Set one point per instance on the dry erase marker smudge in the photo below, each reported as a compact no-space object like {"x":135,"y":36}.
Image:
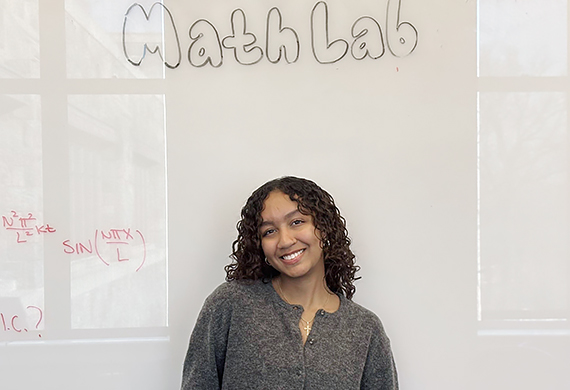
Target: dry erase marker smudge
{"x":282,"y":42}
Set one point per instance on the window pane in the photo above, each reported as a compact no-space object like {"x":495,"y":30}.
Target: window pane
{"x":19,"y":39}
{"x":21,"y":213}
{"x":522,"y":38}
{"x":524,"y":197}
{"x":118,"y":211}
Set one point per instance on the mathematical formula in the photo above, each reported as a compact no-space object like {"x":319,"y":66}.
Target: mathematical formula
{"x":112,"y":246}
{"x":24,"y":227}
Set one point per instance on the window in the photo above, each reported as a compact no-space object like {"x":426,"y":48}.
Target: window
{"x":83,"y":244}
{"x":523,"y":161}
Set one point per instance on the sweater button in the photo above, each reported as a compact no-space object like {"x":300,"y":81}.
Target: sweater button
{"x":322,"y":312}
{"x":311,"y":341}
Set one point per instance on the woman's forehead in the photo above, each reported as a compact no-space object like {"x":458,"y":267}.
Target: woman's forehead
{"x":278,"y":203}
{"x":281,"y":207}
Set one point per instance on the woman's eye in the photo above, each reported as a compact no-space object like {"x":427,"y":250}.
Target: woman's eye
{"x":267,"y":232}
{"x":297,"y":222}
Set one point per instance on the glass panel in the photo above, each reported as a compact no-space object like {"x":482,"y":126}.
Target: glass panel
{"x":21,"y":214}
{"x":94,"y":30}
{"x":524,"y":205}
{"x":19,"y":39}
{"x":118,"y":211}
{"x":522,"y":38}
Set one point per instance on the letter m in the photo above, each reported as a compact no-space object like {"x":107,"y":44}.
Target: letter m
{"x":142,"y":34}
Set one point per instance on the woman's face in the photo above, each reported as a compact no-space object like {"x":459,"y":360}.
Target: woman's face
{"x":289,"y":238}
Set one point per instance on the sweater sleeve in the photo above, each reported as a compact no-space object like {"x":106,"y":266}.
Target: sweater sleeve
{"x":380,"y":368}
{"x":204,"y":363}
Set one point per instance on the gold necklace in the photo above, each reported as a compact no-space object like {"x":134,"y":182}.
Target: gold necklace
{"x":307,"y":326}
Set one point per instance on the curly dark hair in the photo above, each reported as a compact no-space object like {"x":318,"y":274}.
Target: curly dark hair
{"x":249,"y":259}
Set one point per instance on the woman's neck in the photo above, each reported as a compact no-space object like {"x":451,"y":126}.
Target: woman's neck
{"x":311,"y":293}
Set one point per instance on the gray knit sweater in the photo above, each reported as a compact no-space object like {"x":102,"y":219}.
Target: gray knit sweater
{"x":246,"y":337}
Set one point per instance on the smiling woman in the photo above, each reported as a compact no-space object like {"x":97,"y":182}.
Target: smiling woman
{"x":285,"y":319}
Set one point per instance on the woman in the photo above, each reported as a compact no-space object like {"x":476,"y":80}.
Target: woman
{"x":285,"y":319}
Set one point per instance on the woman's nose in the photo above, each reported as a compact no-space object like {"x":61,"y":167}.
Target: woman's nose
{"x":286,"y":239}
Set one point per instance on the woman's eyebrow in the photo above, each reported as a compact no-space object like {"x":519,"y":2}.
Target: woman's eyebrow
{"x":287,"y":216}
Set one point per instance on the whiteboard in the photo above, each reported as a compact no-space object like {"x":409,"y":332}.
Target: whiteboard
{"x":439,"y":127}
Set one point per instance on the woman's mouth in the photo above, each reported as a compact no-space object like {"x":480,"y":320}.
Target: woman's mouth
{"x":292,"y":258}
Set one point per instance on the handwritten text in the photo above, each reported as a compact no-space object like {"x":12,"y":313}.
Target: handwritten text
{"x":13,"y":322}
{"x":24,"y":226}
{"x":282,"y":43}
{"x":111,"y":246}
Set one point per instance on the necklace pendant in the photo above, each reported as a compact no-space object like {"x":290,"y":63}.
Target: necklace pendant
{"x":308,"y":328}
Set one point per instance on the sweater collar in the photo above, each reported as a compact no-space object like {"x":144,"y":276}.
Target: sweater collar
{"x":276,"y":298}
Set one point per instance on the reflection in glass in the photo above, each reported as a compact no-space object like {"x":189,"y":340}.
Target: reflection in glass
{"x":118,"y":211}
{"x":522,"y":38}
{"x":21,"y":213}
{"x":94,"y":39}
{"x":19,"y":39}
{"x":524,"y":194}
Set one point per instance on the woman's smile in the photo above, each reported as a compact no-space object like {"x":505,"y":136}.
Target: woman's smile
{"x":293,"y":257}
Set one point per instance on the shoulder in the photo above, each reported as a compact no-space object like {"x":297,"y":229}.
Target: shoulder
{"x":366,"y":318}
{"x":234,"y":292}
